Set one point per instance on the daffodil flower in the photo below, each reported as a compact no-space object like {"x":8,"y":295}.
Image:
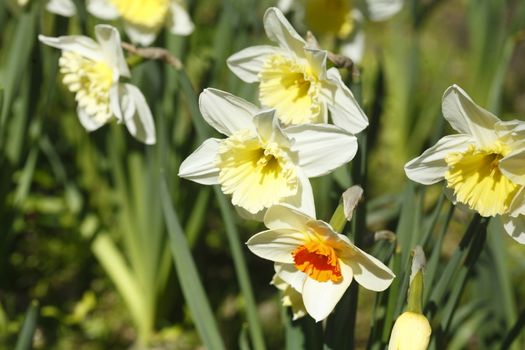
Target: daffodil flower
{"x":482,"y":164}
{"x":315,"y":260}
{"x":294,"y":80}
{"x":343,"y":19}
{"x":259,"y":163}
{"x":143,"y":20}
{"x":290,"y":297}
{"x":92,"y":70}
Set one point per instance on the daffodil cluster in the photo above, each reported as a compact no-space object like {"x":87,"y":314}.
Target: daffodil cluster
{"x":270,"y":152}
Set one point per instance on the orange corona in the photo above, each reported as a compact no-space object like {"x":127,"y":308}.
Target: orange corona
{"x":318,"y":260}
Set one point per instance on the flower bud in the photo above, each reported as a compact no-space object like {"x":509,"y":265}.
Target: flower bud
{"x":411,"y":332}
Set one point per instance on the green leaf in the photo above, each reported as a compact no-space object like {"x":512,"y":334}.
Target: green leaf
{"x":189,"y":276}
{"x":25,"y":338}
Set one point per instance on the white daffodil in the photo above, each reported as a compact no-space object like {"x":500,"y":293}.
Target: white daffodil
{"x":482,"y":164}
{"x":92,"y":70}
{"x":291,"y":298}
{"x":144,"y":19}
{"x":343,"y":19}
{"x":315,"y":260}
{"x":259,"y":163}
{"x":293,"y":79}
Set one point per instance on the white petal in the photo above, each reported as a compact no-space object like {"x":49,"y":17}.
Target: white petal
{"x":317,"y":61}
{"x":285,"y":5}
{"x":102,"y":9}
{"x":276,"y":245}
{"x":121,"y":105}
{"x":87,"y":121}
{"x":344,"y":109}
{"x":82,"y":45}
{"x":321,"y":147}
{"x":289,"y":274}
{"x":269,"y":129}
{"x":280,"y":31}
{"x":200,"y":165}
{"x":517,"y":207}
{"x":512,"y":166}
{"x":304,"y":199}
{"x":109,"y":39}
{"x":180,"y":22}
{"x":369,"y":272}
{"x":140,"y":123}
{"x":225,"y":112}
{"x":64,"y":8}
{"x":141,"y":35}
{"x":246,"y":215}
{"x":515,"y":227}
{"x":247,"y":63}
{"x":430,"y":167}
{"x":320,"y":298}
{"x":285,"y":216}
{"x":466,"y":117}
{"x":379,"y":10}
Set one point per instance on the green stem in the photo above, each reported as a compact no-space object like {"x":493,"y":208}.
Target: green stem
{"x":338,"y":220}
{"x":415,"y":294}
{"x":134,"y":60}
{"x":240,"y":268}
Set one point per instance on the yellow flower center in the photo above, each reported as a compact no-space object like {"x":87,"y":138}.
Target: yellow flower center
{"x":329,"y":17}
{"x":318,"y":260}
{"x":146,"y":13}
{"x":476,"y":179}
{"x":257,"y":175}
{"x":290,"y":88}
{"x":90,"y":81}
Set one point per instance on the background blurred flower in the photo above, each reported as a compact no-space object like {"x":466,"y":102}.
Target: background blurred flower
{"x":92,"y":70}
{"x":294,"y":80}
{"x":259,"y":163}
{"x":482,"y":165}
{"x":343,"y":19}
{"x":315,"y":260}
{"x":64,"y":8}
{"x":144,"y":19}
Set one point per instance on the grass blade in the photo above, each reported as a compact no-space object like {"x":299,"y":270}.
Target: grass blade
{"x":25,"y":338}
{"x":188,"y":275}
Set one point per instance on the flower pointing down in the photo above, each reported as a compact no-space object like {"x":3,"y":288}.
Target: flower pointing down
{"x":92,"y":70}
{"x":315,"y":260}
{"x":260,"y":164}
